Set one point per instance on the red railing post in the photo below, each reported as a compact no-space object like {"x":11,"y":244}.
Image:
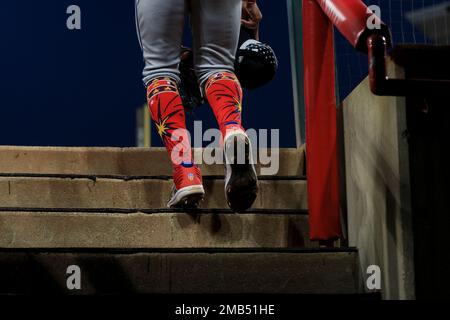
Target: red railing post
{"x":321,"y":124}
{"x":351,"y":18}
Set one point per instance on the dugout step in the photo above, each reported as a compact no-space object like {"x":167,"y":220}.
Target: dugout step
{"x":218,"y":271}
{"x":105,"y":228}
{"x":137,"y":162}
{"x":53,"y":192}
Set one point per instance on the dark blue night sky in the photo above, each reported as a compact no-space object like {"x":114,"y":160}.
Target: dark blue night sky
{"x":81,"y":88}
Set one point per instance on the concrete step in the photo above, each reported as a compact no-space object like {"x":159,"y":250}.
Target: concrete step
{"x":43,"y":229}
{"x":118,"y":161}
{"x":41,"y":192}
{"x":181,"y":272}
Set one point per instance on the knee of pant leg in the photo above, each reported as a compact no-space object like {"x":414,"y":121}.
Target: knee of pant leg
{"x":150,"y":76}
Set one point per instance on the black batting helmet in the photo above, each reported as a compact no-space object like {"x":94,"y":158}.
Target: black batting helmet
{"x":256,"y":64}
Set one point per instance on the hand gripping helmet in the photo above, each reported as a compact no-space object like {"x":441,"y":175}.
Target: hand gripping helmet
{"x":256,"y":64}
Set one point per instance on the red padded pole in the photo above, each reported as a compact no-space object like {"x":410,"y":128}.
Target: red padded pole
{"x":321,"y":124}
{"x":350,"y":17}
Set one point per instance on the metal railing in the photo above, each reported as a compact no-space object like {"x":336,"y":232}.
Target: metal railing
{"x":382,"y":85}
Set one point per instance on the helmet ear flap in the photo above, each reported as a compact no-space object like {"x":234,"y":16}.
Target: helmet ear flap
{"x":256,"y":64}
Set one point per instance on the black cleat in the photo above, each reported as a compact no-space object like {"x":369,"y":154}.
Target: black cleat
{"x":241,"y":181}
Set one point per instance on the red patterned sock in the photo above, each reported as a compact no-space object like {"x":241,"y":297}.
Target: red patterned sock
{"x":224,"y":94}
{"x":167,"y":111}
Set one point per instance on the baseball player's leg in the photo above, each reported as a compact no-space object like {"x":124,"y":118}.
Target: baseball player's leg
{"x":160,"y":27}
{"x":216,"y":27}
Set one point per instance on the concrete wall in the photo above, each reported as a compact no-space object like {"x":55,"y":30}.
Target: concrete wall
{"x":378,"y":193}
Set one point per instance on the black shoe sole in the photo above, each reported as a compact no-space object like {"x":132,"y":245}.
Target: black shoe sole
{"x":242,"y":188}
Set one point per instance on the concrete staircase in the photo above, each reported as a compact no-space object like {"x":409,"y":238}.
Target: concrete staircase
{"x":103,"y":209}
